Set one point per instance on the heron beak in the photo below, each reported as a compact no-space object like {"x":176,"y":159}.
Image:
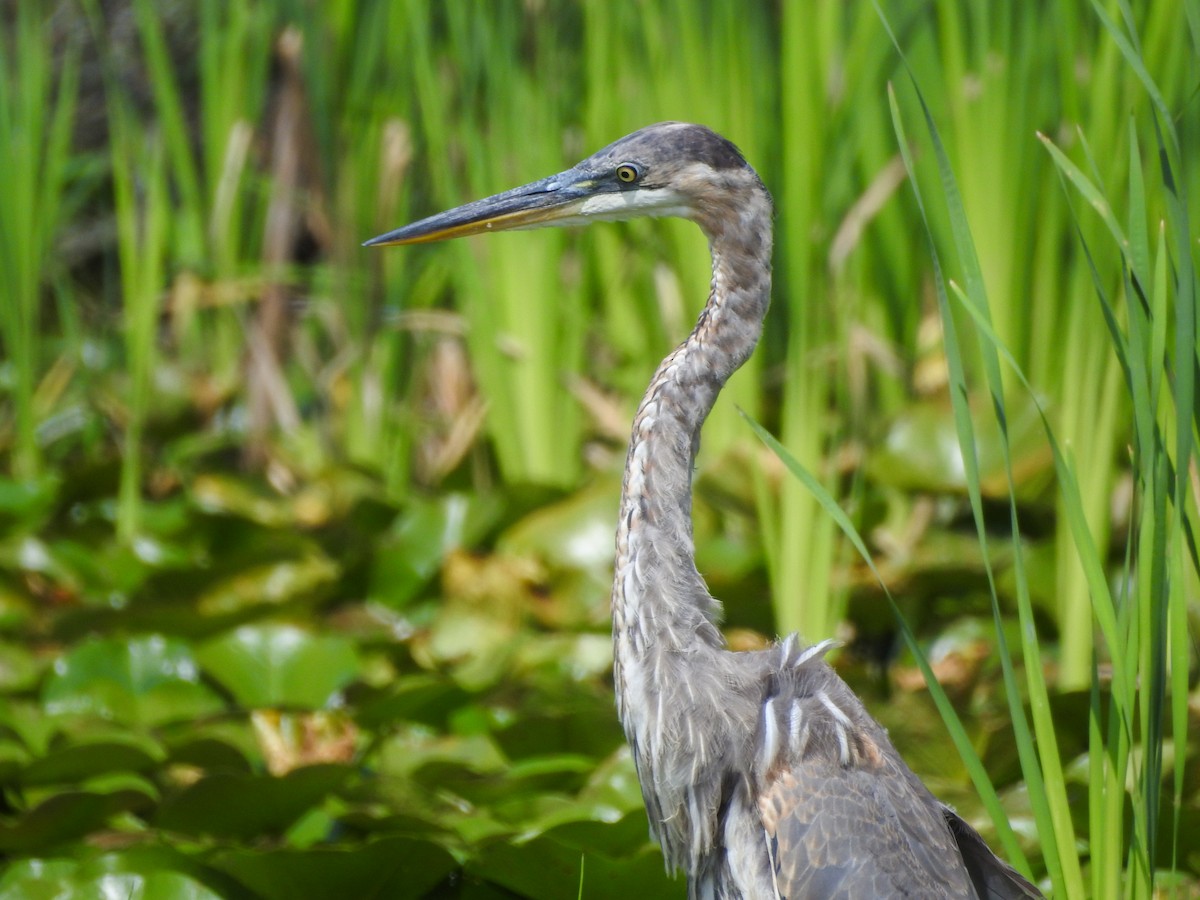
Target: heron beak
{"x":557,"y":200}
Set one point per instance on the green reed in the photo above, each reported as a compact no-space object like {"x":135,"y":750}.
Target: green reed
{"x":207,"y":144}
{"x":37,"y":106}
{"x":1143,"y":634}
{"x":143,"y":214}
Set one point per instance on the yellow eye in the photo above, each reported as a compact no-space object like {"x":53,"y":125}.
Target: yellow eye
{"x":627,"y":174}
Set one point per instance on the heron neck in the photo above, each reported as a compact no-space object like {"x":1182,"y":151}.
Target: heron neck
{"x":659,"y":599}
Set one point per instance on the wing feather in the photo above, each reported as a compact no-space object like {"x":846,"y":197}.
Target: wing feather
{"x":844,"y":816}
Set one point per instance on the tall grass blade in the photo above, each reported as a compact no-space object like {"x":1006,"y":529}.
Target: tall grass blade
{"x":37,"y":103}
{"x":172,"y":117}
{"x":143,"y":215}
{"x":1030,"y":765}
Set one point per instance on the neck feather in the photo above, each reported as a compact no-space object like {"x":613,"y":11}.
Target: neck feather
{"x":659,"y":599}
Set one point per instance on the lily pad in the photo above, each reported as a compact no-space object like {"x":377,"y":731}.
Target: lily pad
{"x":110,"y":571}
{"x":408,"y":558}
{"x":15,"y":605}
{"x":574,"y":533}
{"x":549,"y":867}
{"x":572,"y":540}
{"x":209,"y":753}
{"x":412,"y":698}
{"x":27,"y":501}
{"x":147,"y":680}
{"x":18,"y":668}
{"x":275,"y":582}
{"x":13,"y":758}
{"x":479,"y":644}
{"x":274,"y":665}
{"x":75,"y":762}
{"x":151,"y":873}
{"x":66,"y":817}
{"x":241,"y":807}
{"x":439,"y":760}
{"x":217,"y":493}
{"x":920,"y":451}
{"x":394,"y":867}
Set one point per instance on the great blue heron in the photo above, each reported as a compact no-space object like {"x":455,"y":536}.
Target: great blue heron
{"x":763,"y":774}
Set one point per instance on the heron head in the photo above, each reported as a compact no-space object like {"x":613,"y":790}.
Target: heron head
{"x":669,"y":169}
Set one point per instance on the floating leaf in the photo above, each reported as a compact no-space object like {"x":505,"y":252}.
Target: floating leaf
{"x":123,"y":783}
{"x":572,"y":541}
{"x":408,"y":558}
{"x":18,"y":668}
{"x":276,"y":582}
{"x":476,"y":641}
{"x":229,"y":495}
{"x":574,"y":533}
{"x":111,"y":569}
{"x":334,"y":493}
{"x":576,"y":657}
{"x":38,"y":879}
{"x":13,"y":758}
{"x":549,"y":867}
{"x":15,"y":606}
{"x":615,"y":782}
{"x":273,"y":665}
{"x":406,"y":754}
{"x":413,"y":698}
{"x":145,"y":680}
{"x":25,"y":502}
{"x":151,"y":873}
{"x":75,"y":762}
{"x":920,"y":451}
{"x":65,"y":817}
{"x":570,"y":721}
{"x":241,"y":807}
{"x":209,"y":753}
{"x":393,"y":867}
{"x":595,"y":828}
{"x":27,"y":722}
{"x":27,"y":553}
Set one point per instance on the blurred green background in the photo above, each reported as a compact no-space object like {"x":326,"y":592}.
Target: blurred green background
{"x":304,"y":548}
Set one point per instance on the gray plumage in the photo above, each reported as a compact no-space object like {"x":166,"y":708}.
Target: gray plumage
{"x":763,"y":774}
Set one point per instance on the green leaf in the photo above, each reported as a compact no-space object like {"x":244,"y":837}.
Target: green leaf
{"x":920,"y":451}
{"x":210,"y":753}
{"x":274,"y":665}
{"x":478,"y":643}
{"x":241,"y":807}
{"x":75,"y":762}
{"x":65,"y":817}
{"x":150,"y":873}
{"x":15,"y":605}
{"x":408,"y":558}
{"x":547,"y":868}
{"x":412,"y":698}
{"x":393,"y":867}
{"x":451,"y":758}
{"x":146,"y":680}
{"x":18,"y":668}
{"x":229,"y":495}
{"x":276,"y":582}
{"x":38,"y":879}
{"x":25,"y":502}
{"x":574,"y":533}
{"x":964,"y":241}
